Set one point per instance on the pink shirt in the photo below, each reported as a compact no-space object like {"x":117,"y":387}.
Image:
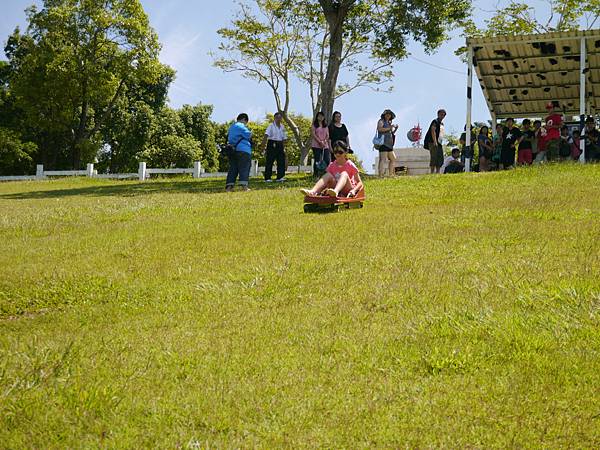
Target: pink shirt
{"x":323,"y":134}
{"x":348,"y":167}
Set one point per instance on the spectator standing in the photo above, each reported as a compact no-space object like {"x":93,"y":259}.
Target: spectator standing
{"x":386,"y":150}
{"x":566,"y":142}
{"x":576,"y":145}
{"x":526,"y":144}
{"x":497,"y":142}
{"x":541,"y":135}
{"x":320,"y":145}
{"x":486,"y":149}
{"x":553,"y":124}
{"x":464,"y":153}
{"x":537,"y":124}
{"x":239,"y":136}
{"x":510,"y":137}
{"x":274,"y":138}
{"x":433,"y":142}
{"x":337,"y":130}
{"x":592,"y":141}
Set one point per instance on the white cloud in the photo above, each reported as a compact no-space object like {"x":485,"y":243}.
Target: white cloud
{"x":256,"y":113}
{"x":178,"y":48}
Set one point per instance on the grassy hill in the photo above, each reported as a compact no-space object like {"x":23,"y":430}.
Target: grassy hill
{"x":452,"y":311}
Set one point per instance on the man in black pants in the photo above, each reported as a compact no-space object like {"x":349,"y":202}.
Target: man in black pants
{"x":274,"y":138}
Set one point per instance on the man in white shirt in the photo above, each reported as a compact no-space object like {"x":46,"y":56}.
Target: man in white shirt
{"x":452,"y":163}
{"x":274,"y":138}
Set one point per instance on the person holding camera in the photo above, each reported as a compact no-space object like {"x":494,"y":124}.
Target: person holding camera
{"x":320,"y":145}
{"x":386,"y":129}
{"x":240,"y":158}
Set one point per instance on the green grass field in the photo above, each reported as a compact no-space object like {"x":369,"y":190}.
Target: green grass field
{"x":452,"y":311}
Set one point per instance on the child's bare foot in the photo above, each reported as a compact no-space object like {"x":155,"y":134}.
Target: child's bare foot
{"x":308,"y":192}
{"x":330,"y":192}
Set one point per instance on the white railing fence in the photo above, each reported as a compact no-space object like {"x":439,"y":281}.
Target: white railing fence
{"x":144,"y":172}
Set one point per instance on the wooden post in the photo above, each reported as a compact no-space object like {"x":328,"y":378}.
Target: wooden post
{"x":468,"y":143}
{"x":197,"y":169}
{"x":90,"y":170}
{"x":39,"y":171}
{"x":142,"y":171}
{"x":582,"y":75}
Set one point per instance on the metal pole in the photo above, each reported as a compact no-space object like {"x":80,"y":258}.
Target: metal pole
{"x":582,"y":96}
{"x":469,"y":106}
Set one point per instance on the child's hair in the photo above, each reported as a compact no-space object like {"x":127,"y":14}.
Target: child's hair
{"x":455,"y":150}
{"x":526,"y":122}
{"x":317,"y":122}
{"x":484,"y":127}
{"x":342,"y":145}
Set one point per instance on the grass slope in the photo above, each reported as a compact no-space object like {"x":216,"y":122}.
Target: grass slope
{"x":452,"y":311}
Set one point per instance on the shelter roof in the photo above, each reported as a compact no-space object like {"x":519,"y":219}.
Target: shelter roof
{"x":519,"y":75}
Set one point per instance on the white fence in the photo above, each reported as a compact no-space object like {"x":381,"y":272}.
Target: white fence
{"x":143,"y":172}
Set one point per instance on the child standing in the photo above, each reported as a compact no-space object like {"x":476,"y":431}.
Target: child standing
{"x":526,"y":144}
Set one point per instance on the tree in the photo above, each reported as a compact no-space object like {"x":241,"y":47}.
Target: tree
{"x":73,"y":66}
{"x":173,"y":151}
{"x":520,"y":18}
{"x":314,"y":40}
{"x":196,"y":123}
{"x":16,"y":157}
{"x":267,"y":49}
{"x":386,"y":26}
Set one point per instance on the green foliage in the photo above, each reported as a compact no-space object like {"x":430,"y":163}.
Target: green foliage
{"x":519,"y":17}
{"x":173,"y":151}
{"x":317,"y":40}
{"x":196,"y":123}
{"x":169,"y":314}
{"x":74,"y":64}
{"x":16,"y":157}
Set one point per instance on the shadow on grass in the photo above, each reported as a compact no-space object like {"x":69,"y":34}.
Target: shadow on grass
{"x":115,"y":188}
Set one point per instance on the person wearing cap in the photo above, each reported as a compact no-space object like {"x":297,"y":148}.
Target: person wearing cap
{"x":342,"y":177}
{"x":592,"y":141}
{"x":386,"y":150}
{"x":554,"y":122}
{"x":433,"y":142}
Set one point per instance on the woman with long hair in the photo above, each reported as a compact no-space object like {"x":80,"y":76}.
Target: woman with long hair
{"x":337,"y":130}
{"x":320,"y":144}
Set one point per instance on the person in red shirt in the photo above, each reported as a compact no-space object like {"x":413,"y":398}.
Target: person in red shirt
{"x":554,"y":122}
{"x":342,"y":177}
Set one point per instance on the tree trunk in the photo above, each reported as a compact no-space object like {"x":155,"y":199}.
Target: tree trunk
{"x":336,"y":15}
{"x":296,"y":132}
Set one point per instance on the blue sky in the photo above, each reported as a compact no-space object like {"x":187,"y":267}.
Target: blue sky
{"x":187,"y":30}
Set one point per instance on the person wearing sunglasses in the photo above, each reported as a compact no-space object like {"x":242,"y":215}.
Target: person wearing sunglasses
{"x":341,"y":178}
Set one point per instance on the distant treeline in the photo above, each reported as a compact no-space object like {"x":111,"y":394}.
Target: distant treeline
{"x":84,"y":84}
